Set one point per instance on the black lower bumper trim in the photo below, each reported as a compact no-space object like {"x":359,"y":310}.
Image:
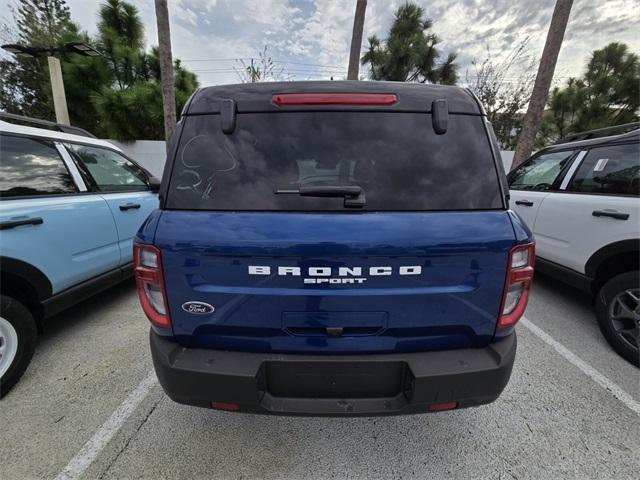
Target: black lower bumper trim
{"x":363,"y":384}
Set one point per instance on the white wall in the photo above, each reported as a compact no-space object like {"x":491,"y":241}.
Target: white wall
{"x":151,"y":155}
{"x":507,"y":158}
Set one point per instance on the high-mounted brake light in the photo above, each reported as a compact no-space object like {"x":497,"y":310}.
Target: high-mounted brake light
{"x":517,"y":284}
{"x":147,"y":264}
{"x":283,"y":99}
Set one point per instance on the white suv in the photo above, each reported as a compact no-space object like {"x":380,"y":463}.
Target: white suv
{"x":581,"y":198}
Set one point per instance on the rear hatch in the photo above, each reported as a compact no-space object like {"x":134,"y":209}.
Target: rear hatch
{"x":267,"y":247}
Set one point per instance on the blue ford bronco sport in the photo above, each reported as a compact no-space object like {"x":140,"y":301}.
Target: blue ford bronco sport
{"x":333,"y":248}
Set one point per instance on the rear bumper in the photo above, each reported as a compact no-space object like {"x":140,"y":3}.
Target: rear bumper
{"x":345,"y":385}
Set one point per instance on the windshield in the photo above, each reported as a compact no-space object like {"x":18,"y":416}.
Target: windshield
{"x":396,"y":159}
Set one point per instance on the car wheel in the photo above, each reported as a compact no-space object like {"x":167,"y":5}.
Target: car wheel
{"x":18,"y":335}
{"x":618,"y":312}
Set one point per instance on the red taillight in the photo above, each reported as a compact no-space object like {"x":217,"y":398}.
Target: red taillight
{"x":441,"y":407}
{"x":517,"y":284}
{"x":228,"y":406}
{"x":334,"y":99}
{"x":147,"y":268}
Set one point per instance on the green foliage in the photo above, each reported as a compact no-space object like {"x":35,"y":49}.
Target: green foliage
{"x":135,"y":112}
{"x":607,"y":95}
{"x":409,"y":53}
{"x":117,"y":95}
{"x":131,"y":113}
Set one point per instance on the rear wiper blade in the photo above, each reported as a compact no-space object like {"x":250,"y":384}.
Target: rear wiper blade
{"x":353,"y":194}
{"x":323,"y":191}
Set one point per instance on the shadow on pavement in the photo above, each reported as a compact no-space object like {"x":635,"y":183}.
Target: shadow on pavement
{"x":572,"y":296}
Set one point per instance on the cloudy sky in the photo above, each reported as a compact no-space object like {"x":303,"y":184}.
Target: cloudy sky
{"x":310,"y":38}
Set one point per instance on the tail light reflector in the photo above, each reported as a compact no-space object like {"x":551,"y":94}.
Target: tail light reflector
{"x":517,"y":284}
{"x":441,"y":407}
{"x":147,"y":265}
{"x":281,"y":99}
{"x":228,"y":406}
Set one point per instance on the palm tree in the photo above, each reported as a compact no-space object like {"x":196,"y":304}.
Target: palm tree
{"x":356,"y":40}
{"x":166,"y":68}
{"x":533,"y":117}
{"x":410,"y":53}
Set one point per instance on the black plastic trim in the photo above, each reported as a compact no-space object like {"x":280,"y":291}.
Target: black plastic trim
{"x":470,"y":377}
{"x":172,"y":153}
{"x":228,"y":115}
{"x":440,"y":116}
{"x":30,"y":274}
{"x":84,"y":290}
{"x":611,"y":250}
{"x":564,"y":274}
{"x":497,"y":161}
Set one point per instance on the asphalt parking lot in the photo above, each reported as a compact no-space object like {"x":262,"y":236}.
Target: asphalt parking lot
{"x":88,"y":407}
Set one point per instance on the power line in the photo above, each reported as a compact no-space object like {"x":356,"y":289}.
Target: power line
{"x":284,"y":70}
{"x":289,"y":62}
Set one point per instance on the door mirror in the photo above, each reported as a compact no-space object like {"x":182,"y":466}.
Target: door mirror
{"x":154,"y":184}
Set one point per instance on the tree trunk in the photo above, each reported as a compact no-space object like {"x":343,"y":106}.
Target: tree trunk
{"x":356,"y":40}
{"x":532,"y":118}
{"x":166,"y":68}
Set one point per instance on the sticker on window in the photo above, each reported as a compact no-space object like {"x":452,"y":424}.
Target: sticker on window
{"x":600,"y":164}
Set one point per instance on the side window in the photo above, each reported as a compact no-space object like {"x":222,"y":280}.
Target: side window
{"x":613,"y":170}
{"x":540,"y":172}
{"x":109,"y":171}
{"x":31,"y":166}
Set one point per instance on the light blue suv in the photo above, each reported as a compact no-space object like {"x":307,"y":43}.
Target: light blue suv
{"x":70,"y":205}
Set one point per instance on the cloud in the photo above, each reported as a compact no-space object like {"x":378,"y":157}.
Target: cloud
{"x":311,"y":38}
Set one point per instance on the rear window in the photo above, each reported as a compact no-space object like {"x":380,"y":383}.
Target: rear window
{"x":395,"y":158}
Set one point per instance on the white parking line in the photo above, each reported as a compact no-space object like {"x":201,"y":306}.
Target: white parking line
{"x":106,"y":432}
{"x":587,"y":369}
{"x":89,"y":452}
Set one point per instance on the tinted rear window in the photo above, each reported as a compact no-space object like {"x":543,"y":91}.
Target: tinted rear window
{"x":396,"y":158}
{"x":32,"y":166}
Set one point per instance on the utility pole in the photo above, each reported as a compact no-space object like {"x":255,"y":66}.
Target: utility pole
{"x":55,"y":71}
{"x":254,"y":74}
{"x":57,"y":90}
{"x":166,"y":68}
{"x":356,"y":40}
{"x":547,"y":66}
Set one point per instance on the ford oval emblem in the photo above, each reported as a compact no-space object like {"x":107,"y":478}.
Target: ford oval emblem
{"x":198,"y":308}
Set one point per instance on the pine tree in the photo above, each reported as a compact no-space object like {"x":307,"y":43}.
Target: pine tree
{"x":410,"y":53}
